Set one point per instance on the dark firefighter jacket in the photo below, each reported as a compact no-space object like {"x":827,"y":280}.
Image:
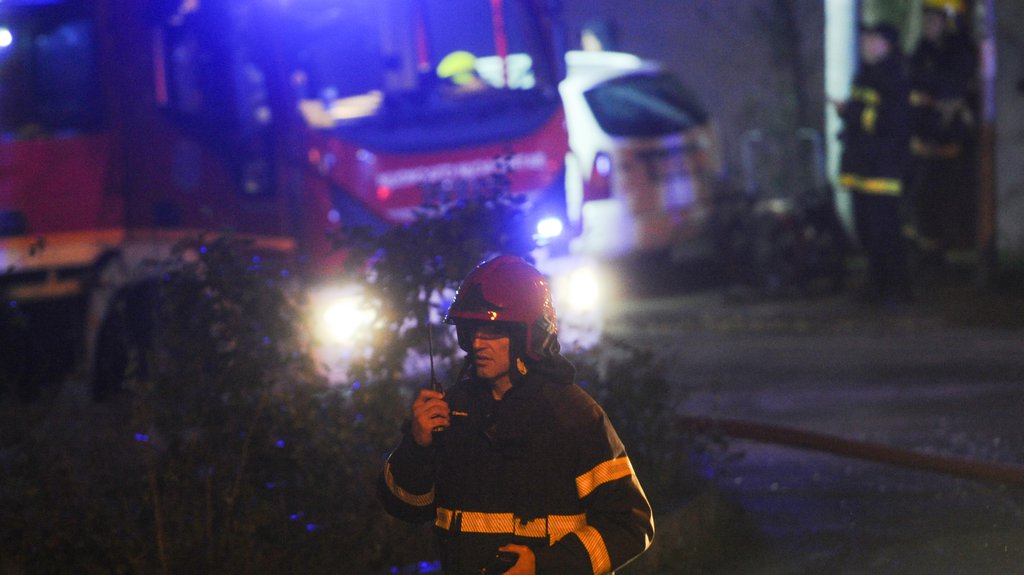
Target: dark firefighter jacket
{"x":941,"y":76}
{"x":542,"y":467}
{"x":876,"y":130}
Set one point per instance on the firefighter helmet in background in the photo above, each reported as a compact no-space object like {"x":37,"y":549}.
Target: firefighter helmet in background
{"x":885,"y":30}
{"x":947,"y":7}
{"x":507,"y":290}
{"x":951,"y":11}
{"x":459,"y":68}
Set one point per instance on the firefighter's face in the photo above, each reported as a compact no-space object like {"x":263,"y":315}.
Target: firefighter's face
{"x":934,"y":25}
{"x":873,"y":47}
{"x":491,"y":352}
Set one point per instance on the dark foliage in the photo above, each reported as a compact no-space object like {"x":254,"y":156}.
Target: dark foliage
{"x":232,"y":454}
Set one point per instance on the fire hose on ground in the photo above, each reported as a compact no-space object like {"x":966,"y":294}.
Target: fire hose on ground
{"x":1002,"y":473}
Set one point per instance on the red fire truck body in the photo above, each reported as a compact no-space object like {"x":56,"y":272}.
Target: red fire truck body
{"x":126,"y":125}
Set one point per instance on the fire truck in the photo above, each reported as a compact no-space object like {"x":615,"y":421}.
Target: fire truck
{"x":127,"y":125}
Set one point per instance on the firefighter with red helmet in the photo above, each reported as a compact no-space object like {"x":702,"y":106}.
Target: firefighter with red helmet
{"x":515,"y":465}
{"x":942,"y":74}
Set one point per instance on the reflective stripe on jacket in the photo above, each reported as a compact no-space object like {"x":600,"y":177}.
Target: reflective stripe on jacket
{"x":881,"y":186}
{"x":876,"y":130}
{"x":543,"y":467}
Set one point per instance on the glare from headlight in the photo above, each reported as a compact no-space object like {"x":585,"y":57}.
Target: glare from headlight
{"x":583,"y":290}
{"x":549,"y":228}
{"x":343,"y":318}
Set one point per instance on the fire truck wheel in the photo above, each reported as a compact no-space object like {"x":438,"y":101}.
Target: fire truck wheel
{"x":112,"y":354}
{"x":14,"y":354}
{"x":124,"y":340}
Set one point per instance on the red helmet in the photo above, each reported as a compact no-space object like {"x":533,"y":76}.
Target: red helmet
{"x":506,"y":289}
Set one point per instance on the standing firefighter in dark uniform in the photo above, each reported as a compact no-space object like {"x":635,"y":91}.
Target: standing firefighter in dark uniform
{"x":942,"y":79}
{"x":875,"y":154}
{"x":516,"y":466}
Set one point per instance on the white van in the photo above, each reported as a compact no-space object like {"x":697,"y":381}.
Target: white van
{"x":646,"y":154}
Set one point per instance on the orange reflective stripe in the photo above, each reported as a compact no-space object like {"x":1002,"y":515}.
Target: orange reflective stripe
{"x":475,"y":522}
{"x":924,"y":149}
{"x":868,"y":119}
{"x":552,"y":527}
{"x":534,"y":528}
{"x":561,"y":525}
{"x":596,"y":549}
{"x":419,"y":500}
{"x":947,"y":6}
{"x":603,"y":473}
{"x":869,"y":96}
{"x":918,"y":98}
{"x":881,"y":186}
{"x":871,"y":99}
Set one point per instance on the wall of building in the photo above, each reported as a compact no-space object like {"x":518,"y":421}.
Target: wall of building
{"x":1009,"y":102}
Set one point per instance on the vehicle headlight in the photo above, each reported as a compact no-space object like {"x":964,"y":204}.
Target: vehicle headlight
{"x":341,"y":316}
{"x":580,"y":289}
{"x":549,"y":228}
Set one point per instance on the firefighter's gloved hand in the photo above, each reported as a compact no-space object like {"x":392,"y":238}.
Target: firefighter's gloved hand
{"x":527,"y":564}
{"x":429,"y":411}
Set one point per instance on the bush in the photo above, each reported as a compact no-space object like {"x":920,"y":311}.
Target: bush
{"x":231,"y":456}
{"x":231,"y":453}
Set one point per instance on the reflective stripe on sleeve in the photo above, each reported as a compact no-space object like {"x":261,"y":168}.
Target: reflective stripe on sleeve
{"x":603,"y":473}
{"x":868,"y":119}
{"x":421,"y":500}
{"x":869,"y":96}
{"x":552,"y":527}
{"x":924,"y":149}
{"x":881,"y":186}
{"x":919,"y":98}
{"x":594,"y":543}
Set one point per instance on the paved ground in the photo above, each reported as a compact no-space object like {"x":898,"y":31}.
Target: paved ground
{"x":944,"y":375}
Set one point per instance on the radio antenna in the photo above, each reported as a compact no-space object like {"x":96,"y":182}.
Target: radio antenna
{"x":434,"y":384}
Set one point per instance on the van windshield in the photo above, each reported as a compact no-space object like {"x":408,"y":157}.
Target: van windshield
{"x":348,"y":56}
{"x":639,"y":105}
